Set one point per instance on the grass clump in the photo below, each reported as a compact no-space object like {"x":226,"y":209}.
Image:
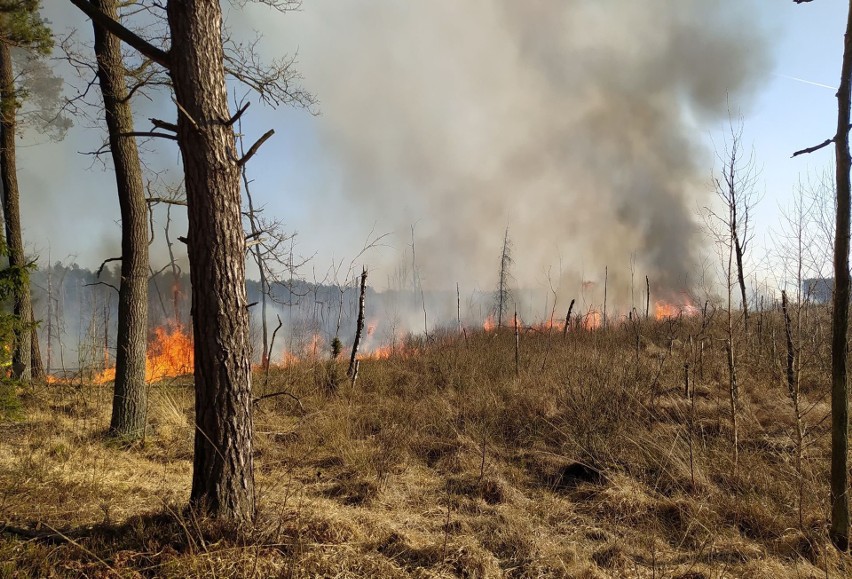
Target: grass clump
{"x":11,"y":409}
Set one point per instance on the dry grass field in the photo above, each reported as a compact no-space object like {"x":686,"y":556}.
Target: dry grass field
{"x":588,"y":460}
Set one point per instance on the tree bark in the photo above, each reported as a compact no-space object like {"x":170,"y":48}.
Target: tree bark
{"x":129,"y":401}
{"x":38,"y":372}
{"x":738,"y":253}
{"x":223,"y":477}
{"x":22,"y":355}
{"x":839,"y":530}
{"x":359,"y":327}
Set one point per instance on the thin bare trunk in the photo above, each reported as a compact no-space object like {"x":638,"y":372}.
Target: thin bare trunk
{"x":793,"y":391}
{"x":733,"y":388}
{"x":840,"y":318}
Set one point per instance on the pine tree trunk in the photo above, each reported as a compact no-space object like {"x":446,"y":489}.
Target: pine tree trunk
{"x":129,"y":395}
{"x":22,"y":355}
{"x":839,"y":530}
{"x":223,"y":477}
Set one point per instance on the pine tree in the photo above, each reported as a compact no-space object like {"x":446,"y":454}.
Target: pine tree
{"x":21,"y":28}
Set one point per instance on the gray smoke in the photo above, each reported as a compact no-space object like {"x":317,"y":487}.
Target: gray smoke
{"x":581,"y":124}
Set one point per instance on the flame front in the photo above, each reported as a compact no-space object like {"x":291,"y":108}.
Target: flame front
{"x":592,"y":320}
{"x":489,"y":324}
{"x":170,"y":354}
{"x":664,"y":310}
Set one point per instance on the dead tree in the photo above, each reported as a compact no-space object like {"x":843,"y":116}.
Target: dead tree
{"x":359,"y":328}
{"x":568,"y":319}
{"x":503,"y":294}
{"x":736,"y":189}
{"x":647,"y":296}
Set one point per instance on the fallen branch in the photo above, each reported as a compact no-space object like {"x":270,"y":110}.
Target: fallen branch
{"x":282,"y":393}
{"x":51,"y":536}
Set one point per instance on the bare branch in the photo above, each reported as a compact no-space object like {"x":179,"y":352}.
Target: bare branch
{"x":101,"y":283}
{"x":148,"y":134}
{"x":106,"y":261}
{"x":284,"y":5}
{"x":166,"y":126}
{"x":274,"y":394}
{"x":815,"y":148}
{"x":158,"y":55}
{"x":276,"y":82}
{"x":254,"y":148}
{"x":155,"y":200}
{"x":238,"y":114}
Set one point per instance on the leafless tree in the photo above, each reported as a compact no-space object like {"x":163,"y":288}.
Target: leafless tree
{"x":736,"y":189}
{"x":503,"y":294}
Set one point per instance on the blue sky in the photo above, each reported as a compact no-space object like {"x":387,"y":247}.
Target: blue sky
{"x":790,"y":115}
{"x":303,"y":181}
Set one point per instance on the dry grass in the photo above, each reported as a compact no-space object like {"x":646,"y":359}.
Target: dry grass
{"x":442,"y":463}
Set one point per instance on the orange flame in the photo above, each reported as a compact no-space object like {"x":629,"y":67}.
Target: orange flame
{"x":170,"y":354}
{"x":310,"y":350}
{"x":664,"y":310}
{"x":592,"y":320}
{"x":384,"y":352}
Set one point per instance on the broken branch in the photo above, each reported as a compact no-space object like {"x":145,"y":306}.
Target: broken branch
{"x":237,"y":115}
{"x":158,"y":55}
{"x":253,"y":149}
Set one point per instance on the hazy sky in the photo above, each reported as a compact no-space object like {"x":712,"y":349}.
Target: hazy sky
{"x":586,"y":126}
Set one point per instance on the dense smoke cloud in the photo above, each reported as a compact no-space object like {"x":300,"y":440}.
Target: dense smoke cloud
{"x":582,"y":125}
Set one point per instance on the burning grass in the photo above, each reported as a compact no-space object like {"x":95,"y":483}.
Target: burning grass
{"x":441,"y":463}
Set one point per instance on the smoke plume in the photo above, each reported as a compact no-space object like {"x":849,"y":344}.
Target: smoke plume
{"x":582,"y":125}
